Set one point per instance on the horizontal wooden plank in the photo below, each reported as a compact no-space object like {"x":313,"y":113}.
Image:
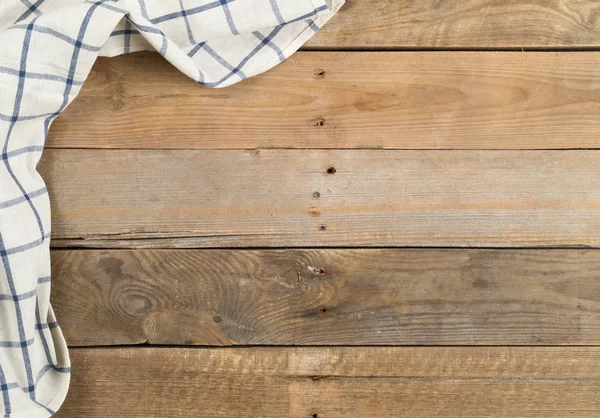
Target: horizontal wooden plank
{"x":462,"y":24}
{"x":431,"y":100}
{"x":335,"y":382}
{"x":329,"y":297}
{"x":301,"y":198}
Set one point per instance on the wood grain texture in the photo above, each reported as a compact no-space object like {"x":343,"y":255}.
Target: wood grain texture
{"x":327,"y":297}
{"x":462,"y":24}
{"x":301,"y":198}
{"x":335,"y":382}
{"x":431,"y":100}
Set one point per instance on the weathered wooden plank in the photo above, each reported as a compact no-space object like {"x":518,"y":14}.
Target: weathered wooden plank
{"x":329,"y":297}
{"x":462,"y":24}
{"x":335,"y":382}
{"x":432,"y":100}
{"x":302,"y":198}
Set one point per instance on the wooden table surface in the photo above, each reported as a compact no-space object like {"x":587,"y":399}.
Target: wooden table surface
{"x":402,"y":220}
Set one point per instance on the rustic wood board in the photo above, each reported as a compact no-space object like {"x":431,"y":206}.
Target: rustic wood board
{"x":431,"y":100}
{"x":334,"y":382}
{"x":462,"y":24}
{"x":341,"y":100}
{"x":327,"y":297}
{"x":314,"y":198}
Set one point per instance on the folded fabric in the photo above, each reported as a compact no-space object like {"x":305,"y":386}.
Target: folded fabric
{"x":47,"y":48}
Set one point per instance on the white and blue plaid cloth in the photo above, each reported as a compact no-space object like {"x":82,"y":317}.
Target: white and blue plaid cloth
{"x":47,"y":48}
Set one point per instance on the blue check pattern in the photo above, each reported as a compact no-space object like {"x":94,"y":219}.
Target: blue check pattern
{"x":47,"y":48}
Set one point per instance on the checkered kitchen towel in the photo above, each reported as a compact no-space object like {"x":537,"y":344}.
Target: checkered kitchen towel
{"x":47,"y":48}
